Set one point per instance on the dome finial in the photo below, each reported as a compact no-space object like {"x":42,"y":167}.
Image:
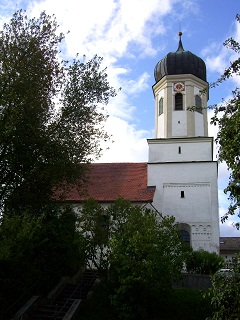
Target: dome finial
{"x":180,"y":46}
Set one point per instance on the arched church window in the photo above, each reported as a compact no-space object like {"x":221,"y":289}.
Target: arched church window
{"x":160,"y":107}
{"x":198,"y":104}
{"x":178,"y":101}
{"x":185,"y":236}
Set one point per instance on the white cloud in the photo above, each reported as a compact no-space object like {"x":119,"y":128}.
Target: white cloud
{"x":227,"y":228}
{"x":138,"y":85}
{"x":113,"y":29}
{"x":130,"y":145}
{"x":216,"y":62}
{"x":108,"y":26}
{"x":121,"y":106}
{"x":218,"y":57}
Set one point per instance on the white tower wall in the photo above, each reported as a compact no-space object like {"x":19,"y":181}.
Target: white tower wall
{"x":180,"y":123}
{"x":188,"y":191}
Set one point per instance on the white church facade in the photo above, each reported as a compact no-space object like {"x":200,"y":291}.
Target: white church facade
{"x":180,"y":177}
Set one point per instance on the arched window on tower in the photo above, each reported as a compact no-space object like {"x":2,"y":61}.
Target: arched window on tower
{"x":198,"y":104}
{"x":178,"y":101}
{"x":160,"y":106}
{"x":185,"y":232}
{"x":185,"y":236}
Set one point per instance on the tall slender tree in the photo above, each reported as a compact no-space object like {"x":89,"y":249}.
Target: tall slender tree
{"x":50,"y":114}
{"x":227,"y":117}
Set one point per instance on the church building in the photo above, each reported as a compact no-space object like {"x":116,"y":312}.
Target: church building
{"x":180,"y":177}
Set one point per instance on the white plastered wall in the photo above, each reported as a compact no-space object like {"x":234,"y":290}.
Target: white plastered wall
{"x":199,"y":206}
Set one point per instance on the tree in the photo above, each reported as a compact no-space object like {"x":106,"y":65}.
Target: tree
{"x":227,"y":117}
{"x":36,"y":251}
{"x":203,"y":262}
{"x":51,"y":112}
{"x":139,"y":251}
{"x":225,"y":295}
{"x":93,"y":227}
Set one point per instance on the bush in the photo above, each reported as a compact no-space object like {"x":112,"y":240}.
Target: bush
{"x":225,"y":294}
{"x":179,"y":304}
{"x":37,"y":251}
{"x":203,"y":262}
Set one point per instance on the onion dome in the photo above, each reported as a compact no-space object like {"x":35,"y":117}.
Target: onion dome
{"x":180,"y":62}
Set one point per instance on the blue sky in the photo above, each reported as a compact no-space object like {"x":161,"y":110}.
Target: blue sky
{"x":132,"y":36}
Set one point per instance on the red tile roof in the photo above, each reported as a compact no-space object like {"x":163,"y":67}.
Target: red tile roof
{"x":108,"y":181}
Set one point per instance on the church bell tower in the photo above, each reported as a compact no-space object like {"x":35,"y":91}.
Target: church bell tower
{"x":180,"y":162}
{"x":180,"y":83}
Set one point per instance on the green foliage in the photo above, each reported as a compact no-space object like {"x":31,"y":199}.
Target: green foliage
{"x":227,"y":117}
{"x":93,"y":226}
{"x":137,"y":250}
{"x":203,"y":262}
{"x":51,"y":125}
{"x":226,"y":295}
{"x":37,"y":250}
{"x":51,"y":114}
{"x":180,"y":304}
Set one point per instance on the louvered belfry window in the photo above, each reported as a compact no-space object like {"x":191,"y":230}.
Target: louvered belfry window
{"x":178,"y":101}
{"x":198,"y":103}
{"x":160,"y":111}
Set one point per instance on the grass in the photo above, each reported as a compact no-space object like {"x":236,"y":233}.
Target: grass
{"x":181,"y":304}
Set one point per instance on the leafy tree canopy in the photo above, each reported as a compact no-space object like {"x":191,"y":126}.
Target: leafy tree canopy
{"x":51,"y":114}
{"x":136,"y":249}
{"x":203,"y":262}
{"x":227,"y":117}
{"x":35,"y":252}
{"x":225,"y":294}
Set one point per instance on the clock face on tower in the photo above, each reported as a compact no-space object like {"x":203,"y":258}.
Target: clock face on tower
{"x":179,"y":86}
